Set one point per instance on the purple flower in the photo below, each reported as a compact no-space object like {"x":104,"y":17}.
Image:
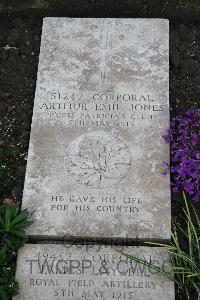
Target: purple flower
{"x":194,"y":139}
{"x":184,"y":138}
{"x":175,"y":189}
{"x":164,"y":173}
{"x":166,"y":138}
{"x":197,"y":155}
{"x":196,"y":198}
{"x":165,"y":164}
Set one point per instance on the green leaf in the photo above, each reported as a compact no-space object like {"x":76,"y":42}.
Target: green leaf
{"x":185,"y":263}
{"x":21,"y":234}
{"x":21,"y":217}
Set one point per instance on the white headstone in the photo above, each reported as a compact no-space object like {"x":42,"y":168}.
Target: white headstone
{"x":101,"y":106}
{"x":51,"y":272}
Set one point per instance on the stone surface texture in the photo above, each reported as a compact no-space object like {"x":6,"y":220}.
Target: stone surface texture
{"x":78,"y":272}
{"x":101,"y":106}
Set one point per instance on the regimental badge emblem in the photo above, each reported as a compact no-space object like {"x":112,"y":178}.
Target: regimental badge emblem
{"x":98,"y":159}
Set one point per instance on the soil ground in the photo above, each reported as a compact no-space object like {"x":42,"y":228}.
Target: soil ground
{"x":19,"y":52}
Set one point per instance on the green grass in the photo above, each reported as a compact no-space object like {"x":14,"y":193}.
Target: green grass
{"x":13,"y":223}
{"x":185,"y":260}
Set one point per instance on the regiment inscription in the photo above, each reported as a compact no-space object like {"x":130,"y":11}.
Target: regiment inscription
{"x":91,"y":272}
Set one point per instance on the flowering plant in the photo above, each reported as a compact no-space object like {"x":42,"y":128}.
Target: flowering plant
{"x":184,"y":137}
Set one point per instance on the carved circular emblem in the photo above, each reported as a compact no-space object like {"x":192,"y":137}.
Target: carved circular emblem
{"x":97,"y":159}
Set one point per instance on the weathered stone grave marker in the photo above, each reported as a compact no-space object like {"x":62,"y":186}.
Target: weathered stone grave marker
{"x":95,"y":155}
{"x":50,"y":272}
{"x":96,"y":150}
